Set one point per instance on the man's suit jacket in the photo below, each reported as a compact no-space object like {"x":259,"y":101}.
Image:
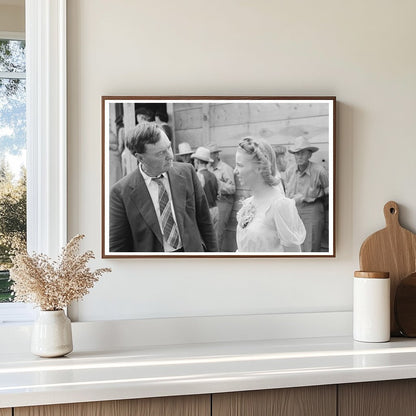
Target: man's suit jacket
{"x":133,"y":222}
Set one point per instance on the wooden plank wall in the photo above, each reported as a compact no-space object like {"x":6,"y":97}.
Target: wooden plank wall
{"x":225,"y":124}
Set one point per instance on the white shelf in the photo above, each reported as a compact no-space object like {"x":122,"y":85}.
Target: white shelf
{"x":151,"y":371}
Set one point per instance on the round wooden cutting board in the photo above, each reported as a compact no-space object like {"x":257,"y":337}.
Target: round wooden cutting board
{"x":392,"y":250}
{"x":405,"y":306}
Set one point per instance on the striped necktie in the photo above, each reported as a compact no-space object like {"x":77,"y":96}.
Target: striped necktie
{"x":169,"y":227}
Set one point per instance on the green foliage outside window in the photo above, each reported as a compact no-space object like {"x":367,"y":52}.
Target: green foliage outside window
{"x":12,"y":146}
{"x":12,"y":224}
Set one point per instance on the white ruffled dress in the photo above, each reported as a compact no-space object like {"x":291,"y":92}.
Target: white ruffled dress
{"x":268,"y":231}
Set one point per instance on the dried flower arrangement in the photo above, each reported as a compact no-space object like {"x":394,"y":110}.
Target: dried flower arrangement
{"x":52,"y":285}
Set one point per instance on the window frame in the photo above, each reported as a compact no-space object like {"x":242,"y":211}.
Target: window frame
{"x":46,"y":121}
{"x":46,"y":125}
{"x":14,"y":312}
{"x":13,"y":36}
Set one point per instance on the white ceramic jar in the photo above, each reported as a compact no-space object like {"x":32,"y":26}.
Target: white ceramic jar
{"x":371,"y":308}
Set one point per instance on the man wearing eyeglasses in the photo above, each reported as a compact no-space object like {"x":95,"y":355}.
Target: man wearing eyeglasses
{"x":161,"y":206}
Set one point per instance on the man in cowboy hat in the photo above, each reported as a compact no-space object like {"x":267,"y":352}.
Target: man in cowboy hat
{"x":208,"y":181}
{"x":161,"y":205}
{"x":308,"y":184}
{"x":226,"y":191}
{"x":184,"y":153}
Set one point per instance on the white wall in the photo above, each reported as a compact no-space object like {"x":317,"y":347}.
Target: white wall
{"x":363,"y":52}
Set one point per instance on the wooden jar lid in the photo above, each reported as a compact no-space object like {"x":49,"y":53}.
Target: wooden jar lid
{"x":372,"y":275}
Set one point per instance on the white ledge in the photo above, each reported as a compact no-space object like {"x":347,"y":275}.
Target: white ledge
{"x":154,"y":371}
{"x":188,"y":330}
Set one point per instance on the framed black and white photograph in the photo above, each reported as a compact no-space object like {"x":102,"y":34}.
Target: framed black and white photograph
{"x":218,"y":177}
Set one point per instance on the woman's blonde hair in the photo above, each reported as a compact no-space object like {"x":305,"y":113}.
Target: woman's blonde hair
{"x":264,"y":155}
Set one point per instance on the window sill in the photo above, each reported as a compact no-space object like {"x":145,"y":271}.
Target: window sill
{"x":16,"y":313}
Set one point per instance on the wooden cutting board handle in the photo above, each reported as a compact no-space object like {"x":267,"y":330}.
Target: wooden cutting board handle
{"x":391,"y":214}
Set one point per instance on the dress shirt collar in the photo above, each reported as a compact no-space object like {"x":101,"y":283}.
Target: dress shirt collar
{"x":147,"y":178}
{"x":307,"y":171}
{"x":218,"y":165}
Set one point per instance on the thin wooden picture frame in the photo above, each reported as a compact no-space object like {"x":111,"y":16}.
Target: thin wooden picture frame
{"x":289,"y":124}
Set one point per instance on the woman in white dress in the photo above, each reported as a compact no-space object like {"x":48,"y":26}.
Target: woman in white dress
{"x":267,"y":220}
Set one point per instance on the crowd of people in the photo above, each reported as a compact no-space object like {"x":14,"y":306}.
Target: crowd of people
{"x":183,"y":202}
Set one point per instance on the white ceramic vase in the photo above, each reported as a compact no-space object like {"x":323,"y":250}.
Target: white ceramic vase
{"x":52,"y":334}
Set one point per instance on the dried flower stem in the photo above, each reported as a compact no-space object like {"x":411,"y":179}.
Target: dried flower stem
{"x":53,"y":285}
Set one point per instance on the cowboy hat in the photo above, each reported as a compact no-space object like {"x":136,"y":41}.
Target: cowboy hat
{"x":202,"y":153}
{"x":301,"y":143}
{"x":214,"y":148}
{"x":184,"y":149}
